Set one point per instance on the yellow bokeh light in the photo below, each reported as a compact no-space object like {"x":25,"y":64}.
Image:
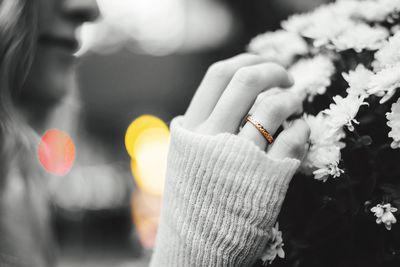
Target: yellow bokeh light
{"x":147,"y":141}
{"x":137,"y":127}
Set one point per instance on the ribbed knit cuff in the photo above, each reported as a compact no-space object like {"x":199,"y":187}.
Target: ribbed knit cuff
{"x":222,"y":196}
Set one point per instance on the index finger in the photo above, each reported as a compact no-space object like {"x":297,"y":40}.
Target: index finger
{"x":213,"y":85}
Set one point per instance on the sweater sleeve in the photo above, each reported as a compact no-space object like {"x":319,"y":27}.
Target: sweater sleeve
{"x":222,"y":196}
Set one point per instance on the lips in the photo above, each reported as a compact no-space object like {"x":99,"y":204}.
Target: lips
{"x":70,"y":44}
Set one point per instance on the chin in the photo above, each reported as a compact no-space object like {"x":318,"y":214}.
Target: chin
{"x":47,"y":87}
{"x":53,"y":94}
{"x":51,"y":75}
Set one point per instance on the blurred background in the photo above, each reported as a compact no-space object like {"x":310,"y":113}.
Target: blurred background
{"x":141,"y":57}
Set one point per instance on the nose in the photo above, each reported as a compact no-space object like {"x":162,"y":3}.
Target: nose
{"x":81,"y":11}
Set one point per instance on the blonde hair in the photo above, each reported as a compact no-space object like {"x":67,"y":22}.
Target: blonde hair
{"x":24,"y":232}
{"x":17,"y":32}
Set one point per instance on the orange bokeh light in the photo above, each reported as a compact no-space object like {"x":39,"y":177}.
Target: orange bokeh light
{"x":146,"y":211}
{"x":56,"y":152}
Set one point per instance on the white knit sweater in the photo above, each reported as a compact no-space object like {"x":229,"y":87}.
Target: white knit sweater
{"x":222,"y":196}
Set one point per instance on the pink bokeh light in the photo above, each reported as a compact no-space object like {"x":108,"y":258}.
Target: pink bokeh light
{"x":56,"y":152}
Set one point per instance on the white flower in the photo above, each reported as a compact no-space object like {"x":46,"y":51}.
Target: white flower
{"x":346,"y":8}
{"x":360,"y":36}
{"x":384,"y":214}
{"x":358,"y":80}
{"x":378,"y":210}
{"x":280,"y":46}
{"x":371,"y":11}
{"x":376,"y":10}
{"x":389,"y":54}
{"x":393,"y":6}
{"x":274,"y":246}
{"x":326,"y":30}
{"x":297,"y":23}
{"x":394,"y":123}
{"x":388,"y":219}
{"x":324,"y":155}
{"x":385,"y":82}
{"x":312,"y":76}
{"x":395,"y":29}
{"x":321,"y":131}
{"x":333,"y":26}
{"x":328,"y":170}
{"x":325,"y":16}
{"x":320,"y":25}
{"x":344,"y":110}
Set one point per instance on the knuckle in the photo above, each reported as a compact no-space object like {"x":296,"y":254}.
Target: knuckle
{"x":248,"y":75}
{"x":296,"y":100}
{"x":220,"y":69}
{"x":277,"y":70}
{"x":282,"y":105}
{"x":276,"y":67}
{"x":275,"y":109}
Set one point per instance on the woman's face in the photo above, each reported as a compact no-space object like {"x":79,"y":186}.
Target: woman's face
{"x":54,"y":62}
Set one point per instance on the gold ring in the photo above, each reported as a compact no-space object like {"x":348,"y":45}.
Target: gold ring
{"x":260,"y":128}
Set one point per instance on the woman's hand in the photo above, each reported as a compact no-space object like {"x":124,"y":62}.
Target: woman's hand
{"x":239,"y":86}
{"x":222,"y":197}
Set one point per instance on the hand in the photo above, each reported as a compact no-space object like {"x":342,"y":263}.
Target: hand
{"x":241,"y":85}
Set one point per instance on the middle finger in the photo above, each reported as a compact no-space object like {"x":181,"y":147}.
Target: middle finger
{"x":242,"y":92}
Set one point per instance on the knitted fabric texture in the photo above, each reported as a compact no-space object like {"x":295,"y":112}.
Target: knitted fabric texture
{"x":222,"y":196}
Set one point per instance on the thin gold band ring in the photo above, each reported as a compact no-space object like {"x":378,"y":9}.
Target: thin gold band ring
{"x":260,"y":128}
